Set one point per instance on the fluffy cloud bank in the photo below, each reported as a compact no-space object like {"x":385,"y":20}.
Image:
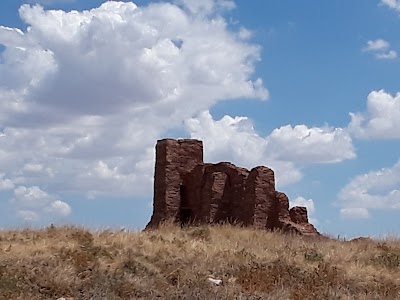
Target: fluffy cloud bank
{"x":302,"y":144}
{"x":377,"y":189}
{"x":33,"y":203}
{"x":374,"y":190}
{"x":382,"y":118}
{"x":85,"y":94}
{"x":285,"y":150}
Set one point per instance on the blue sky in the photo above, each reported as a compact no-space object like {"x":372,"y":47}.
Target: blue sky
{"x":311,"y":90}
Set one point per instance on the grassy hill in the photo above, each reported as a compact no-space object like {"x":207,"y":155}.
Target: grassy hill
{"x":175,"y":263}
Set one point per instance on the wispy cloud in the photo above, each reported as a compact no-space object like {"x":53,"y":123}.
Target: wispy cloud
{"x":394,"y":4}
{"x":380,"y":48}
{"x":377,"y":45}
{"x":375,"y":190}
{"x":49,"y":2}
{"x":387,"y":55}
{"x":354,"y":213}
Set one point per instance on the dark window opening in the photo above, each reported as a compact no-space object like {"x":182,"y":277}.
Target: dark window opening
{"x":185,"y":211}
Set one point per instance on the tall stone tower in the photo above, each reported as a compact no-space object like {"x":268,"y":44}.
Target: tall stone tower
{"x":174,"y":160}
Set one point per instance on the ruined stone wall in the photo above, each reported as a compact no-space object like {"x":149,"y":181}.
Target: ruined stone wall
{"x":187,"y":190}
{"x":174,"y":159}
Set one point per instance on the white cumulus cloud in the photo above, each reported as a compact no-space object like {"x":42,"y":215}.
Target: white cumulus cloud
{"x":374,"y":190}
{"x":84,"y":95}
{"x":382,"y":118}
{"x":284,"y":150}
{"x":32,"y":203}
{"x":310,"y":145}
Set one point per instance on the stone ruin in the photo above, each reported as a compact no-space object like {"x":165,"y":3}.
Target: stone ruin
{"x":189,"y":191}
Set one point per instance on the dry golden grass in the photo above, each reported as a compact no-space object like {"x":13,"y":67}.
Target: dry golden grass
{"x":175,"y":263}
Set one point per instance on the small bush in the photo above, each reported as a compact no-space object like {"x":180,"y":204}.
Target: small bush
{"x":387,"y":260}
{"x":313,"y":255}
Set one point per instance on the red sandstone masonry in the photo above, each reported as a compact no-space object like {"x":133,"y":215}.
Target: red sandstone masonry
{"x":187,"y":190}
{"x":174,"y":159}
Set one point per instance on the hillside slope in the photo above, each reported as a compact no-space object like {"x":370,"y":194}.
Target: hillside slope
{"x":175,"y":263}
